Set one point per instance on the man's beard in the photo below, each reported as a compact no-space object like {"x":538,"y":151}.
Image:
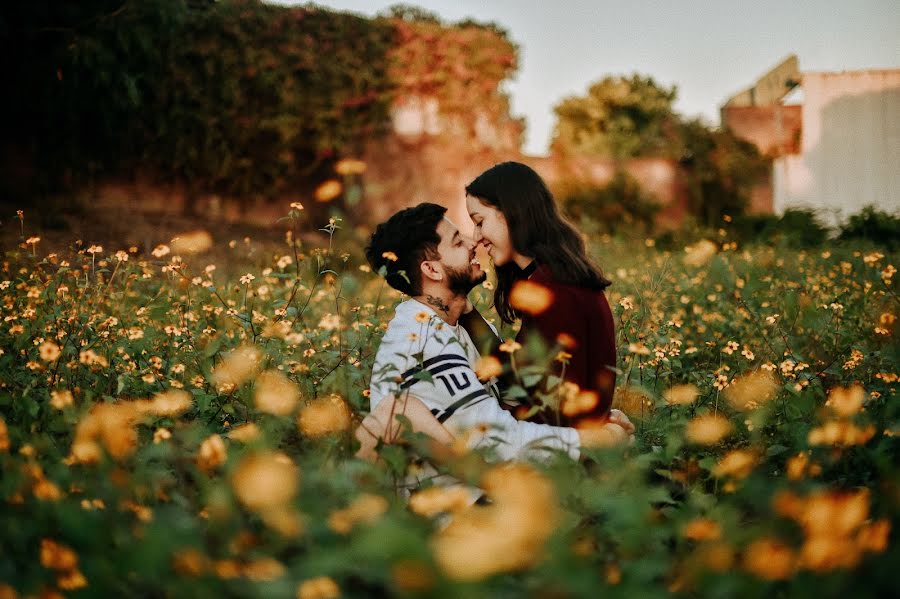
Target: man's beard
{"x":461,"y":281}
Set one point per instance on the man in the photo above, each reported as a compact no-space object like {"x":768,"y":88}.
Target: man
{"x":424,"y":368}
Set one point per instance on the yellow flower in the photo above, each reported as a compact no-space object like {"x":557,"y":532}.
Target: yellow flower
{"x":61,"y":399}
{"x":529,"y":297}
{"x":505,"y":536}
{"x":265,"y":480}
{"x":192,"y":242}
{"x":737,"y":463}
{"x":708,"y":429}
{"x":389,"y":256}
{"x":365,"y":509}
{"x":49,"y":351}
{"x":436,"y":500}
{"x":422,"y":316}
{"x":4,"y":436}
{"x":324,"y":416}
{"x":488,"y":367}
{"x":275,"y":393}
{"x":510,"y":346}
{"x":328,"y":190}
{"x":751,"y":390}
{"x":349,"y":166}
{"x":173,"y":402}
{"x":244,"y":433}
{"x":237,"y":366}
{"x":321,"y":587}
{"x":212,"y":453}
{"x":700,"y":253}
{"x":769,"y":559}
{"x":846,"y":402}
{"x":681,"y":395}
{"x":702,"y":529}
{"x":56,"y":556}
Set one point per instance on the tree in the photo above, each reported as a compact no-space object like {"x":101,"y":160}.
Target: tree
{"x":620,"y":117}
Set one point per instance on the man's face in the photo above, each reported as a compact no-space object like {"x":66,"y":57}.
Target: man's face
{"x":457,"y":257}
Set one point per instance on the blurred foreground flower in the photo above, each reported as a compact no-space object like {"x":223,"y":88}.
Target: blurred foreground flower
{"x":751,"y":390}
{"x":365,"y":509}
{"x":192,"y":242}
{"x":349,"y":166}
{"x":681,"y":395}
{"x":274,"y":393}
{"x":324,"y":416}
{"x":321,"y":587}
{"x":212,"y":453}
{"x":531,"y":298}
{"x":505,"y":536}
{"x":707,"y":429}
{"x":700,"y":253}
{"x":328,"y":191}
{"x":237,"y":366}
{"x":265,"y":480}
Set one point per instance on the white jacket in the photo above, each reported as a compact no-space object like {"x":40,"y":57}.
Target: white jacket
{"x":423,"y":355}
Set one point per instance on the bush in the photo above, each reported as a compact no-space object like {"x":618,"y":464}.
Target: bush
{"x":621,"y":201}
{"x":796,"y":228}
{"x":874,"y":225}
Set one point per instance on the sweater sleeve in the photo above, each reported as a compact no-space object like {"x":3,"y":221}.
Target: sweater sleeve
{"x":443,"y":379}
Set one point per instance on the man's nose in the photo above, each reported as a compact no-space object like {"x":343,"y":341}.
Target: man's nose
{"x":469,"y":242}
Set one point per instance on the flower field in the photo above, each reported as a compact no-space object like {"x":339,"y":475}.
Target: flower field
{"x":178,"y":423}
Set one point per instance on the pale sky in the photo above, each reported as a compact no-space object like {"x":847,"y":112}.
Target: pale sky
{"x":710,"y":49}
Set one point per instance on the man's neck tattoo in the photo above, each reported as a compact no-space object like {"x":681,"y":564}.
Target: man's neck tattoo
{"x":438,"y":303}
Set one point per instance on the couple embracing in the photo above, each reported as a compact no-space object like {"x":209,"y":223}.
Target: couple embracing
{"x":425,"y":367}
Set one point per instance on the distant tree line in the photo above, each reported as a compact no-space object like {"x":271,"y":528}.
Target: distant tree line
{"x":629,"y":117}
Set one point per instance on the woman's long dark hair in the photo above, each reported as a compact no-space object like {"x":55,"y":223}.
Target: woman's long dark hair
{"x":536,"y":229}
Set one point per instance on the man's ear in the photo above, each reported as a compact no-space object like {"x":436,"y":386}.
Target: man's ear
{"x":432,"y":270}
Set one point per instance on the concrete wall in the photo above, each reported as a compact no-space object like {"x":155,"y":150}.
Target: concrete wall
{"x":774,"y":129}
{"x":849,"y":148}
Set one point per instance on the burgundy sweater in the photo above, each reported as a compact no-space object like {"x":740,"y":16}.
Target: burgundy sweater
{"x":579,"y":319}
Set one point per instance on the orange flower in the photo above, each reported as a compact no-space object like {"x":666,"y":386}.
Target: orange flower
{"x":328,"y":190}
{"x":56,"y":556}
{"x":212,"y":453}
{"x":769,"y":559}
{"x":702,"y":529}
{"x":265,"y":480}
{"x":488,"y":367}
{"x":751,"y":390}
{"x":737,"y":463}
{"x":349,"y":166}
{"x":681,"y":395}
{"x":322,"y":587}
{"x":708,"y":429}
{"x":324,"y":416}
{"x":275,"y":393}
{"x":529,"y":297}
{"x":192,"y":242}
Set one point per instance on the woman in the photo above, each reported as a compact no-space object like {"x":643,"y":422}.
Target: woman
{"x":517,"y":221}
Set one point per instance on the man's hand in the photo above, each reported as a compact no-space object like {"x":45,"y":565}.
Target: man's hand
{"x":608,"y":435}
{"x":382,"y":424}
{"x":619,"y":417}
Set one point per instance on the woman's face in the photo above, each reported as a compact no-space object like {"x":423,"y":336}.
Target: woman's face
{"x":491,"y":230}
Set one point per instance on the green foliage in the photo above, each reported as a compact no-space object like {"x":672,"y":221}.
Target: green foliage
{"x":237,"y":97}
{"x":621,"y":202}
{"x":721,"y":170}
{"x":158,"y":518}
{"x":620,"y":117}
{"x":623,"y":118}
{"x":796,"y":228}
{"x":874,"y":225}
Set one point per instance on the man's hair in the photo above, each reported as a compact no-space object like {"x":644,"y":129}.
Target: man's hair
{"x":411,"y":236}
